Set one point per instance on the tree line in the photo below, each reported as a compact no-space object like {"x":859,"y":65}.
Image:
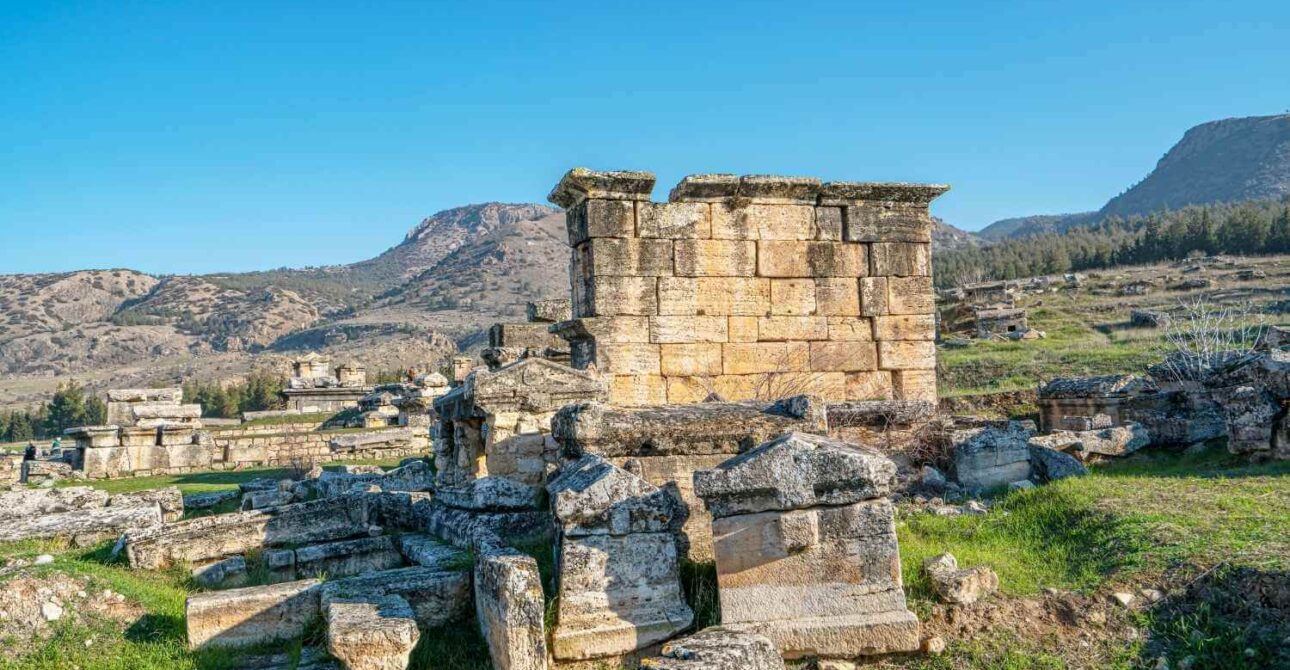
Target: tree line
{"x":69,"y":407}
{"x":260,"y":391}
{"x":1245,"y":229}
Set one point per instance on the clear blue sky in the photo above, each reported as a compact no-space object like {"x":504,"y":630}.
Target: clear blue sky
{"x":207,"y":136}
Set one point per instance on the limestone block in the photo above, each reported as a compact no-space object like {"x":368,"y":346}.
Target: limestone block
{"x":631,"y":257}
{"x":581,"y":184}
{"x":94,"y":436}
{"x":687,"y":329}
{"x":873,"y":296}
{"x":986,"y":458}
{"x":792,"y":297}
{"x":251,"y":616}
{"x":490,"y":493}
{"x":348,"y":557}
{"x":850,"y":329}
{"x":783,"y":259}
{"x":716,"y":258}
{"x":437,"y":596}
{"x":82,"y":527}
{"x":134,"y":436}
{"x":173,"y":395}
{"x":614,"y":296}
{"x":787,"y":328}
{"x":828,"y":224}
{"x":906,"y":355}
{"x":612,"y":330}
{"x":542,"y":311}
{"x":628,"y":359}
{"x":910,"y":295}
{"x":717,"y":648}
{"x":779,"y":189}
{"x":914,"y":384}
{"x":600,"y":218}
{"x":707,"y":188}
{"x":796,"y":471}
{"x":428,"y":552}
{"x":763,"y":221}
{"x":691,"y":359}
{"x":901,"y":259}
{"x":843,"y":356}
{"x":735,"y":296}
{"x":372,"y":633}
{"x":591,"y":496}
{"x":874,"y":222}
{"x":170,"y":499}
{"x":765,"y":357}
{"x":905,"y":327}
{"x":509,"y":607}
{"x":742,"y":329}
{"x":840,"y":637}
{"x":873,"y":385}
{"x":638,"y":389}
{"x":27,"y":502}
{"x":674,"y":220}
{"x":837,"y":296}
{"x":226,"y":573}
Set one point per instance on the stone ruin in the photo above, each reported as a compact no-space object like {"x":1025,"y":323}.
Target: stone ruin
{"x":806,"y":548}
{"x":406,"y":404}
{"x":1005,"y":322}
{"x":750,"y":287}
{"x":510,"y":342}
{"x":315,"y":387}
{"x":149,"y":431}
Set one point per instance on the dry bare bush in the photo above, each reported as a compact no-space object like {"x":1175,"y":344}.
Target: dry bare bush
{"x":1202,"y":336}
{"x":299,"y":467}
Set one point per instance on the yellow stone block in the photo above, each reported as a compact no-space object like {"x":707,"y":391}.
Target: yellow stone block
{"x":837,"y":296}
{"x":682,"y":329}
{"x":763,"y":221}
{"x":872,"y":385}
{"x":873,"y":296}
{"x":674,"y":220}
{"x":743,"y":328}
{"x":765,"y":357}
{"x":613,"y":296}
{"x":618,"y":257}
{"x":637,"y":390}
{"x":788,"y":328}
{"x":842,"y":356}
{"x":905,"y":327}
{"x":627,"y":359}
{"x":792,"y":297}
{"x":850,"y":329}
{"x":716,"y":258}
{"x":691,"y":359}
{"x":910,"y":295}
{"x":712,"y":296}
{"x":901,"y":259}
{"x":915,"y":385}
{"x":906,"y":355}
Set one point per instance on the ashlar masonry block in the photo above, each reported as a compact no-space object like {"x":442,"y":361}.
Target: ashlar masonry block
{"x":674,"y":220}
{"x":622,"y":296}
{"x":713,"y":296}
{"x":837,"y":296}
{"x":910,"y":295}
{"x":763,"y":222}
{"x":700,"y":359}
{"x":792,"y":297}
{"x":850,"y":328}
{"x":914,"y":384}
{"x":843,"y":356}
{"x":629,"y":257}
{"x":906,"y":355}
{"x":716,"y":258}
{"x":873,"y":296}
{"x":790,"y":328}
{"x":901,"y":259}
{"x":686,"y":329}
{"x":765,"y":357}
{"x":905,"y":327}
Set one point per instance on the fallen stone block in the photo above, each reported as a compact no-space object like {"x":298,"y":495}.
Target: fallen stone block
{"x":372,"y":634}
{"x":428,"y":552}
{"x":23,"y":502}
{"x":170,"y":499}
{"x":509,"y":608}
{"x":82,"y":527}
{"x":991,"y":457}
{"x":310,"y":658}
{"x":413,"y":476}
{"x":491,"y":494}
{"x":1050,"y":465}
{"x":348,"y":557}
{"x":717,"y":648}
{"x":197,"y":501}
{"x":252,"y":615}
{"x":959,"y":586}
{"x":1115,"y":441}
{"x":280,"y":564}
{"x":38,"y":472}
{"x":437,"y":596}
{"x":225,"y":573}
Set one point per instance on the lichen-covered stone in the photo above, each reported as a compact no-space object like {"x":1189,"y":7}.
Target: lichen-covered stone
{"x":377,"y":633}
{"x":251,"y":616}
{"x":82,"y":527}
{"x":437,"y":596}
{"x":509,"y":607}
{"x":717,"y":648}
{"x":990,"y":457}
{"x":795,"y":471}
{"x":170,"y":499}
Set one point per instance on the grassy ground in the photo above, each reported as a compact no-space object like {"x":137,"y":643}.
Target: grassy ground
{"x":1142,"y":521}
{"x":204,"y":482}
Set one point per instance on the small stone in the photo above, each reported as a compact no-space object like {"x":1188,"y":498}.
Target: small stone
{"x":1152,"y":595}
{"x":932,"y":478}
{"x":975,"y":507}
{"x":835,"y":664}
{"x":934,"y":645}
{"x":374,"y":531}
{"x":51,"y":611}
{"x":959,"y":586}
{"x":1124,"y":599}
{"x":1096,"y":616}
{"x":1021,"y":485}
{"x":44,"y":559}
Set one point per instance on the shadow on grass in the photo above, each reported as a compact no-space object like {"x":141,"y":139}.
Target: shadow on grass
{"x":1214,"y":462}
{"x":157,"y":628}
{"x":1236,"y":618}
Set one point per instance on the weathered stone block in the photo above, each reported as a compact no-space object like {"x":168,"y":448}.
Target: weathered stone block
{"x":674,"y":220}
{"x":986,"y":458}
{"x":83,"y":527}
{"x":428,"y":552}
{"x":687,"y":329}
{"x":779,"y":189}
{"x":372,"y":633}
{"x":716,"y":258}
{"x":251,"y":616}
{"x":615,"y":296}
{"x":914,"y":384}
{"x":901,"y":259}
{"x":763,"y":222}
{"x":910,"y":295}
{"x":437,"y":596}
{"x":170,"y":499}
{"x":549,"y":311}
{"x":638,"y":389}
{"x":631,"y":257}
{"x":735,"y":296}
{"x":628,"y":359}
{"x":906,"y":355}
{"x":348,"y":557}
{"x":765,"y":357}
{"x":509,"y":607}
{"x":787,"y":328}
{"x":742,"y":329}
{"x":850,"y":329}
{"x":905,"y":327}
{"x":600,"y":218}
{"x":828,"y":224}
{"x":717,"y":649}
{"x":792,"y":297}
{"x":226,"y":573}
{"x":873,"y":296}
{"x":872,"y":385}
{"x":691,"y":359}
{"x":843,"y":356}
{"x":837,"y":296}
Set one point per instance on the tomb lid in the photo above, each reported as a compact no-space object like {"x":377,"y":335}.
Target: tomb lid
{"x":845,"y":192}
{"x":581,"y":183}
{"x":1093,"y":387}
{"x":592,"y":496}
{"x":795,"y":471}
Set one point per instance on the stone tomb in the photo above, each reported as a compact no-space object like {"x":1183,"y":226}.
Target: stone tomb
{"x":620,"y":587}
{"x":752,"y":287}
{"x":806,"y":548}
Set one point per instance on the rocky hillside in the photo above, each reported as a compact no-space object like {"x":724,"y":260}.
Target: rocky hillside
{"x":1221,"y":161}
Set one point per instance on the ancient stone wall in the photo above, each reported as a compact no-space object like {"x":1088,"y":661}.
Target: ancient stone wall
{"x":750,"y":287}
